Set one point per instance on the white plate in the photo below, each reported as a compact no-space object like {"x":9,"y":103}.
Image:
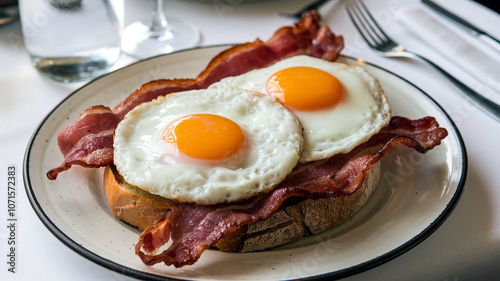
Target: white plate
{"x":415,"y":195}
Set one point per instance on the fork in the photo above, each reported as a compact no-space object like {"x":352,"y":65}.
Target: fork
{"x":379,"y":41}
{"x":313,"y":6}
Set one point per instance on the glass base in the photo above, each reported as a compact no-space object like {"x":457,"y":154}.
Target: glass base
{"x":139,"y":42}
{"x":76,"y":68}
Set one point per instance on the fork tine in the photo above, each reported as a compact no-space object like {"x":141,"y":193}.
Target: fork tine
{"x":353,"y":15}
{"x":366,"y":24}
{"x":366,"y":21}
{"x":375,"y":23}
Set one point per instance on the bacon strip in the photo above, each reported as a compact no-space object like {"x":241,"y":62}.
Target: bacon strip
{"x":307,"y":37}
{"x":195,"y":228}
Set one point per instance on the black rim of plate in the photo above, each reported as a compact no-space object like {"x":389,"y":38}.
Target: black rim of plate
{"x":109,"y":264}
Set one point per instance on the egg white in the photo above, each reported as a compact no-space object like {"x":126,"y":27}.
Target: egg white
{"x":273,"y":147}
{"x":361,"y":113}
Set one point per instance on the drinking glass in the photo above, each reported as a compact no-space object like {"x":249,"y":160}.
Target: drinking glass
{"x":155,"y":35}
{"x":72,"y":40}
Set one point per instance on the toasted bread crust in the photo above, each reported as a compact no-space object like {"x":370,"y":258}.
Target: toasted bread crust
{"x":131,"y":204}
{"x":141,"y":209}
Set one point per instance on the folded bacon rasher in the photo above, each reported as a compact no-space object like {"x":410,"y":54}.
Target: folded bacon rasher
{"x":88,"y":142}
{"x":195,"y":228}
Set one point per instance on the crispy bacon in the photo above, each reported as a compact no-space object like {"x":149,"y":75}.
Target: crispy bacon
{"x":195,"y":228}
{"x":94,"y":149}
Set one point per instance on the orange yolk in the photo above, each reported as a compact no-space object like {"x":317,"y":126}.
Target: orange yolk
{"x":305,"y":88}
{"x":205,"y":136}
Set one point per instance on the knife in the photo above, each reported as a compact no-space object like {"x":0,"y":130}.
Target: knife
{"x":474,"y":30}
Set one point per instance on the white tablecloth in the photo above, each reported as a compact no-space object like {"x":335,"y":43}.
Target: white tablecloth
{"x":465,"y":247}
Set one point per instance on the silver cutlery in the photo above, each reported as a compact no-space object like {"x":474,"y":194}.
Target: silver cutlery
{"x":472,"y":29}
{"x":379,"y":41}
{"x":313,"y":6}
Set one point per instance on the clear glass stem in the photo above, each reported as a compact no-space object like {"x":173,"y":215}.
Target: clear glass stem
{"x":159,"y":24}
{"x":154,"y":35}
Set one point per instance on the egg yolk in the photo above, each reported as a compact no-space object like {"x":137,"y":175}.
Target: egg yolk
{"x":205,"y":136}
{"x":305,"y":88}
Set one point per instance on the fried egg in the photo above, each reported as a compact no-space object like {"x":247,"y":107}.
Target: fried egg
{"x":339,"y":106}
{"x":208,"y":146}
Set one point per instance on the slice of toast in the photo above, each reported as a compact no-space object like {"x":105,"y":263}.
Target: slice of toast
{"x":141,"y":209}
